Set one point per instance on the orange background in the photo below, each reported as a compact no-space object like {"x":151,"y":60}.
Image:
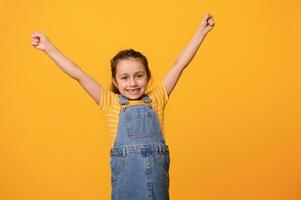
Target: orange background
{"x":232,"y":122}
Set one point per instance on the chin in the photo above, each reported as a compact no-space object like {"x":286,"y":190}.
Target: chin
{"x":133,"y":97}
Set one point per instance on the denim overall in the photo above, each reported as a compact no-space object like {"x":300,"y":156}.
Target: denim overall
{"x":139,"y":159}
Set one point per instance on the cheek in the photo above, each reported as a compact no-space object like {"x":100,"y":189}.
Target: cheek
{"x":146,"y":82}
{"x":122,"y":84}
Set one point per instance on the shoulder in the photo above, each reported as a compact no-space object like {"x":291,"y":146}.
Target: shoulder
{"x":108,"y":99}
{"x":158,"y":94}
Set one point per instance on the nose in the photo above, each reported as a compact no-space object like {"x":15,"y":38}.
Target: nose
{"x":133,"y":82}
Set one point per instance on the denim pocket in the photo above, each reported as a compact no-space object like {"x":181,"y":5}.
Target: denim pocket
{"x":141,"y":125}
{"x":116,"y":164}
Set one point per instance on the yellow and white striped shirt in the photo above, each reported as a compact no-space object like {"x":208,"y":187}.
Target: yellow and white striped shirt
{"x":109,"y":104}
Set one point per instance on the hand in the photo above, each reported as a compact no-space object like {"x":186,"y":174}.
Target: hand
{"x":207,"y":23}
{"x":40,"y":41}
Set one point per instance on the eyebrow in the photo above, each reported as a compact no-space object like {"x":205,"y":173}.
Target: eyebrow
{"x":127,"y":73}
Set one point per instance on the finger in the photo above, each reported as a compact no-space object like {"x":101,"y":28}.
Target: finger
{"x":34,"y":44}
{"x":37,"y":34}
{"x":34,"y":40}
{"x":35,"y":37}
{"x":40,"y":34}
{"x":206,"y":16}
{"x":210,"y":19}
{"x":34,"y":33}
{"x":211,"y":22}
{"x":209,"y":16}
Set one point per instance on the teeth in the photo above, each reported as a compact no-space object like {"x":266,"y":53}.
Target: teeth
{"x":134,"y":91}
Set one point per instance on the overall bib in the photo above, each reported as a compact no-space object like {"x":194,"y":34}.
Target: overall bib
{"x":139,"y":159}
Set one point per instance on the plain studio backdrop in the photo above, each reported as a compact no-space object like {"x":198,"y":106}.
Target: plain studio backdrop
{"x":232,"y":122}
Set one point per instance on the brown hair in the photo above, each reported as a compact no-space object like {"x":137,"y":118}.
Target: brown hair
{"x":124,"y":54}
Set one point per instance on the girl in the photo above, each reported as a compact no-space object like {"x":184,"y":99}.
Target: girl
{"x":139,"y":157}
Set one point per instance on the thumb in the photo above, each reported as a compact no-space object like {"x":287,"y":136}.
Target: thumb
{"x":206,"y":16}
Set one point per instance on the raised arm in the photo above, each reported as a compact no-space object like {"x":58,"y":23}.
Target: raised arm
{"x":185,"y":57}
{"x":41,"y":42}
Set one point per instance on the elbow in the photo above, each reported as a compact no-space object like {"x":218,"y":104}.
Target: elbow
{"x":180,"y":66}
{"x":80,"y":76}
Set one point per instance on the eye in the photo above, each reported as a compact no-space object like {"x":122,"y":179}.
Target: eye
{"x":124,"y":78}
{"x":140,"y":75}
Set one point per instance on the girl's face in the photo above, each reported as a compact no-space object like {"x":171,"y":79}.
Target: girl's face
{"x":131,"y":78}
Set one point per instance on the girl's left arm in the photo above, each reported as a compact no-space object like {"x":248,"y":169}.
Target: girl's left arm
{"x":185,"y":57}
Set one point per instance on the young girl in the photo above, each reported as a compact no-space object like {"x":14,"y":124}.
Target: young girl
{"x":139,"y":157}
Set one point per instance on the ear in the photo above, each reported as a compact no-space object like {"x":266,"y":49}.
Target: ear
{"x":114,"y":82}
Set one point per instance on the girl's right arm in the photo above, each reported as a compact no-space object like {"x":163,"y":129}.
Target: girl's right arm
{"x":93,"y":88}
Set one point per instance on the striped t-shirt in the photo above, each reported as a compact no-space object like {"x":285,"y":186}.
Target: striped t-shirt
{"x":110,"y":105}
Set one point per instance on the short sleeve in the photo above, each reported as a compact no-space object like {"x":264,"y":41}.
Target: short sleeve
{"x":107,"y":99}
{"x":159,"y":95}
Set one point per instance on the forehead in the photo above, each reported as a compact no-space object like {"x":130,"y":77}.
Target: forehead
{"x":129,"y":66}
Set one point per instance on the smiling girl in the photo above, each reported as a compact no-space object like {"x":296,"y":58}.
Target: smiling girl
{"x":139,"y":156}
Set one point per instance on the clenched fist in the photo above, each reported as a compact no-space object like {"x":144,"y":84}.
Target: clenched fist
{"x":40,"y":41}
{"x":207,"y":23}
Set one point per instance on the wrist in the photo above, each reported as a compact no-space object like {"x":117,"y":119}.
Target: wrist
{"x":202,"y":30}
{"x":49,"y":48}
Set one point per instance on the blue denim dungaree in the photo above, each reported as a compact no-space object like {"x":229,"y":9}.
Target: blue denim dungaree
{"x":139,"y":159}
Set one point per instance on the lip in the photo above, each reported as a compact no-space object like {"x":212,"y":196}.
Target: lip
{"x":134,"y":91}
